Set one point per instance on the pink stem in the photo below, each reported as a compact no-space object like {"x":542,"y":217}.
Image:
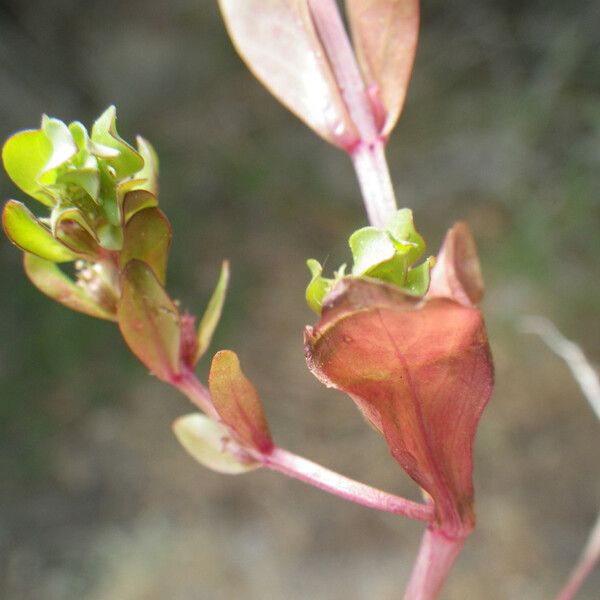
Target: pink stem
{"x":309,"y":472}
{"x":434,"y":562}
{"x":189,"y":385}
{"x":586,"y":564}
{"x":368,"y":155}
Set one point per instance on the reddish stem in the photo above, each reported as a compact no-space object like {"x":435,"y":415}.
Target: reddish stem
{"x":368,"y":155}
{"x":434,"y":562}
{"x":309,"y":472}
{"x":589,"y":557}
{"x":189,"y":385}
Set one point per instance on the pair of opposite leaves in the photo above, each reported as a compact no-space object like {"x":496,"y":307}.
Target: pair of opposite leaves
{"x":419,"y":369}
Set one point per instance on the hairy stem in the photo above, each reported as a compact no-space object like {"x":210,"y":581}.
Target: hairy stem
{"x":329,"y":481}
{"x":434,"y":562}
{"x":589,"y":557}
{"x":368,"y":155}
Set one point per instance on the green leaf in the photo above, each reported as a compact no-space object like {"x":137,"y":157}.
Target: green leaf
{"x":212,"y":314}
{"x":418,"y":278}
{"x":149,"y":321}
{"x":370,"y":247}
{"x":63,"y":144}
{"x":149,"y":172}
{"x":148,"y":238}
{"x":318,"y":287}
{"x":128,"y":161}
{"x":86,"y":179}
{"x":402,"y":229}
{"x":207,"y":441}
{"x":24,"y":156}
{"x":50,"y":280}
{"x":27,"y":233}
{"x":238,"y":402}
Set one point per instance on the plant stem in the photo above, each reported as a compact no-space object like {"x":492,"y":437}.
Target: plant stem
{"x":434,"y":562}
{"x":368,"y":156}
{"x":589,"y":557}
{"x":375,"y":183}
{"x":189,"y":385}
{"x":309,"y":472}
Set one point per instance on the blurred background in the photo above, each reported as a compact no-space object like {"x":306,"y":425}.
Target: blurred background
{"x":501,"y":128}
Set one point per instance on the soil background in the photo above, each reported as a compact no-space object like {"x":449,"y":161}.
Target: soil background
{"x":501,"y":128}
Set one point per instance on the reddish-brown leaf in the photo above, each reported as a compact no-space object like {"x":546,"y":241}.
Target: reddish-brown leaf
{"x":421,"y":373}
{"x":238,"y":402}
{"x":457,"y":273}
{"x":385,"y":34}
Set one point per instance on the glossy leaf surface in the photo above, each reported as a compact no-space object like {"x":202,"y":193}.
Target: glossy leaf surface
{"x":207,"y":441}
{"x":421,"y":373}
{"x":27,"y":233}
{"x":277,"y":40}
{"x":50,"y":280}
{"x":212,"y":314}
{"x":149,"y":321}
{"x":385,"y":34}
{"x":237,"y":401}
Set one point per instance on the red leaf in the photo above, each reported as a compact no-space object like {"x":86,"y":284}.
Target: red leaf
{"x":149,"y":321}
{"x":238,"y":402}
{"x":421,"y":373}
{"x":385,"y":34}
{"x":457,"y":274}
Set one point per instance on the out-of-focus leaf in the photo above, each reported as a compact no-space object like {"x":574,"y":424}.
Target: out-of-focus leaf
{"x":137,"y":200}
{"x":60,"y":214}
{"x":148,"y":238}
{"x":128,"y":160}
{"x":212,"y":314}
{"x":238,"y":402}
{"x":385,"y":35}
{"x":207,"y":441}
{"x":24,"y":156}
{"x":421,"y":373}
{"x":77,"y":238}
{"x":50,"y":280}
{"x":457,"y":273}
{"x":27,"y":233}
{"x":277,"y":40}
{"x":149,"y":321}
{"x":149,"y":172}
